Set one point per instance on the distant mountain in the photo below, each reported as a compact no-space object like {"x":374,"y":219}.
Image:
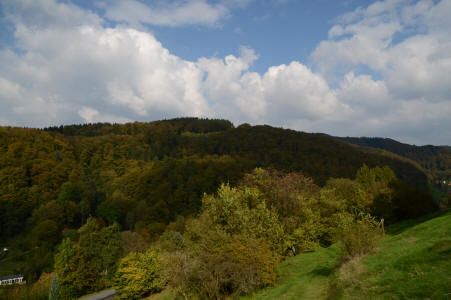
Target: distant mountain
{"x":435,"y":159}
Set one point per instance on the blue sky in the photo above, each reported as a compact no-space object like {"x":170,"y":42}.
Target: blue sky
{"x":347,"y":68}
{"x":278,"y":32}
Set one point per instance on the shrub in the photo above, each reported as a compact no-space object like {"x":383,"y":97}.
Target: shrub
{"x":220,"y":265}
{"x":139,"y":274}
{"x":132,"y":242}
{"x":243,"y":211}
{"x":358,"y":233}
{"x":306,"y":236}
{"x":171,"y":241}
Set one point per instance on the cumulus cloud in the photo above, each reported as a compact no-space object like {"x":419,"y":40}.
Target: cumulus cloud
{"x":75,"y":69}
{"x":413,"y":66}
{"x":408,"y":45}
{"x":117,"y":70}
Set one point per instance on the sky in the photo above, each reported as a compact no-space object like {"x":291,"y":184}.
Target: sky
{"x":345,"y":68}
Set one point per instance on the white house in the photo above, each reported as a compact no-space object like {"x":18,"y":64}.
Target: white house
{"x":14,"y":279}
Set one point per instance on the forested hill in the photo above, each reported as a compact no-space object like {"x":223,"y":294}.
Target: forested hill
{"x":153,"y":172}
{"x":319,"y":157}
{"x":435,"y":159}
{"x":147,"y":175}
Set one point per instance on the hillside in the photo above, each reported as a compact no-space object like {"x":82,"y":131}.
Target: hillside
{"x":147,"y":175}
{"x":413,"y":262}
{"x":435,"y":159}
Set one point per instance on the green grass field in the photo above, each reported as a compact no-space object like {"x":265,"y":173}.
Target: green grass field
{"x":413,"y":261}
{"x":305,"y":276}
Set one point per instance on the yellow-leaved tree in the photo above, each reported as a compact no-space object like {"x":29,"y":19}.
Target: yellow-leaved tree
{"x":138,"y":274}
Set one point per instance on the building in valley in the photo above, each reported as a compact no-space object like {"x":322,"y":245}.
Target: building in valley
{"x":14,"y":279}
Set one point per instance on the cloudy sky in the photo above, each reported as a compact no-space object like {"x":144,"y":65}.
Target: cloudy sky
{"x":347,"y":68}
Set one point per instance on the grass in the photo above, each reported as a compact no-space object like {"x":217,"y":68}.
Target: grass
{"x":305,"y":276}
{"x":166,"y":294}
{"x":413,"y":261}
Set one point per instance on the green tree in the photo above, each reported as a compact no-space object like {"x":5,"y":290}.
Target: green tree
{"x":139,"y":274}
{"x":67,"y":268}
{"x":46,"y":231}
{"x":243,"y":211}
{"x":86,"y":266}
{"x":70,"y":192}
{"x":295,"y":199}
{"x":108,"y":211}
{"x":352,"y":193}
{"x":231,"y":249}
{"x":100,"y":247}
{"x":379,"y":184}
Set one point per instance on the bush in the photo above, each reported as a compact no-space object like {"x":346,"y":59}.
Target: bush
{"x":171,"y":241}
{"x":243,"y":211}
{"x":132,"y":242}
{"x":358,"y":233}
{"x":306,"y":236}
{"x":220,"y":265}
{"x":139,"y":274}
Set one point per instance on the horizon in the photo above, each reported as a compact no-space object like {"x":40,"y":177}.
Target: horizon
{"x":234,"y":125}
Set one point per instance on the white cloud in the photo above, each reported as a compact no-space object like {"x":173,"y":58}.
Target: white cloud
{"x":169,"y":13}
{"x":117,"y":71}
{"x":8,"y":89}
{"x":294,"y":92}
{"x":229,"y":86}
{"x":88,"y":114}
{"x":73,"y":69}
{"x":91,"y":115}
{"x":283,"y":93}
{"x":408,"y":45}
{"x":45,"y":13}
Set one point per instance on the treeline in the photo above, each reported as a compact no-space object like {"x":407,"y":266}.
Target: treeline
{"x":178,"y":125}
{"x":145,"y":176}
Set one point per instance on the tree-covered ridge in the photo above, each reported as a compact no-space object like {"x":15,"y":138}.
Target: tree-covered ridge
{"x":147,"y":176}
{"x":179,"y":125}
{"x":258,"y":145}
{"x":319,"y":157}
{"x":164,"y":165}
{"x":435,"y":159}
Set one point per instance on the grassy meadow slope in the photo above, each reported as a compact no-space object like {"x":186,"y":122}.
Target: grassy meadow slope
{"x":413,"y":262}
{"x":305,"y":276}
